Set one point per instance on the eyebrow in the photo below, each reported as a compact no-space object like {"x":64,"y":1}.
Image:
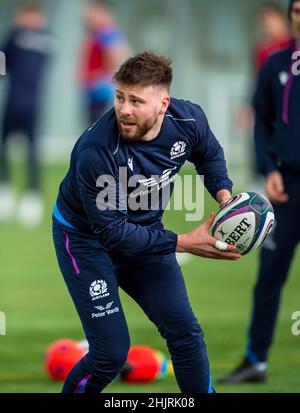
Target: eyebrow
{"x":131,"y":96}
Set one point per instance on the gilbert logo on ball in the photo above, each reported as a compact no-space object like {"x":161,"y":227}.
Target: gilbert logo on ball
{"x":245,"y":221}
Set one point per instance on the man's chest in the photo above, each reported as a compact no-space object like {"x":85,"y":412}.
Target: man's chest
{"x":151,"y":167}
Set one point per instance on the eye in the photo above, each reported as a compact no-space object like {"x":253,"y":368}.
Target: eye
{"x":136,"y":102}
{"x":119,"y":98}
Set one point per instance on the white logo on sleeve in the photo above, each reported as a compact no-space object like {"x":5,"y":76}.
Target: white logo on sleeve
{"x":130,"y":164}
{"x":178,"y":149}
{"x":98,"y":289}
{"x":283,"y":77}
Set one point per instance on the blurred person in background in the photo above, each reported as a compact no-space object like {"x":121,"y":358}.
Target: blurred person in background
{"x":277,"y":141}
{"x":103,"y":50}
{"x":274,"y":34}
{"x":26,"y":48}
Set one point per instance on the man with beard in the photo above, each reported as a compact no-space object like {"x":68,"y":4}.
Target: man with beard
{"x":103,"y":241}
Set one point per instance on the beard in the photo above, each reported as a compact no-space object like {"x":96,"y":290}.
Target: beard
{"x":138,"y":131}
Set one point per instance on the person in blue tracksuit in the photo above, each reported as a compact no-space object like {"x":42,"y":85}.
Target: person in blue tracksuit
{"x":108,"y":231}
{"x":277,"y":139}
{"x":27,"y":48}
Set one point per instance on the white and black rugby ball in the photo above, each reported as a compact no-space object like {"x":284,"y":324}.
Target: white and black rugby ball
{"x":244,"y":221}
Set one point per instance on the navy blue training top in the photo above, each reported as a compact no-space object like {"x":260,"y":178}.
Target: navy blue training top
{"x":95,"y":166}
{"x":26,"y":53}
{"x":277,"y":113}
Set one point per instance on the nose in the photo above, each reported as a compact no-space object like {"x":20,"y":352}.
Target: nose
{"x":125,"y":109}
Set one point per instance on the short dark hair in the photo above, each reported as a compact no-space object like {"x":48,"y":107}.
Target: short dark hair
{"x":145,"y":69}
{"x":275,"y":8}
{"x":31,"y":7}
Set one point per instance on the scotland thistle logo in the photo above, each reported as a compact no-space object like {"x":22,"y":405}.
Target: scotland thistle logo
{"x":98,"y":288}
{"x":178,"y":149}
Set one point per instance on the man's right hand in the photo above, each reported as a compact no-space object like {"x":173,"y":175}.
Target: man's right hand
{"x":199,"y":242}
{"x":275,"y":188}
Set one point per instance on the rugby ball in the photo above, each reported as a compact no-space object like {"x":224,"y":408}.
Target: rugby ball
{"x":245,"y":221}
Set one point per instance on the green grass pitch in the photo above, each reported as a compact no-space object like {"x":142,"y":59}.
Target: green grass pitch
{"x":39,"y":310}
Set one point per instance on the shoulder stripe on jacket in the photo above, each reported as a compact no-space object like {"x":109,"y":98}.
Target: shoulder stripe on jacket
{"x":182,"y":119}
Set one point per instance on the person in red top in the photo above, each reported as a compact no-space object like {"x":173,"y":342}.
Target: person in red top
{"x":275,"y":34}
{"x":103,"y":50}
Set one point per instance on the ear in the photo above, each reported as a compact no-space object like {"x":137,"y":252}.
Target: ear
{"x":164,"y":104}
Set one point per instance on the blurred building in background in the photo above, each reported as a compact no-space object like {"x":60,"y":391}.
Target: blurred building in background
{"x":209,"y":43}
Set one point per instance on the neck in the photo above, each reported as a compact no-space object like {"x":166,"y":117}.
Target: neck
{"x":152,"y":134}
{"x":280,"y":36}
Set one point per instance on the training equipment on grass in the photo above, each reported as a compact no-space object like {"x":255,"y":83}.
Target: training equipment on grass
{"x":244,"y":221}
{"x":164,"y":365}
{"x":144,"y":364}
{"x":61,"y":356}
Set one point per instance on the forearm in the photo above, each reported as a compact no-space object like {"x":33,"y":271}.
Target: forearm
{"x":131,"y":238}
{"x":182,"y":243}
